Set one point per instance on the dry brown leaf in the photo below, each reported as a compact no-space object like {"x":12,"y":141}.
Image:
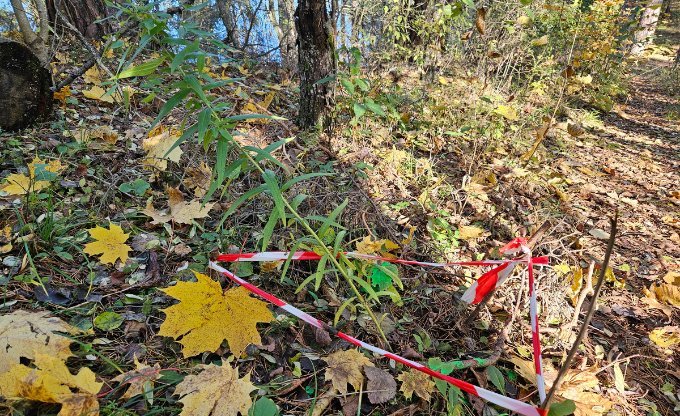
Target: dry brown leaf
{"x":215,"y":391}
{"x":140,"y":380}
{"x":25,"y":334}
{"x":575,"y":129}
{"x":480,"y":21}
{"x":344,"y":367}
{"x":181,"y":212}
{"x":672,"y":278}
{"x":198,"y":179}
{"x":381,"y":386}
{"x":665,"y":292}
{"x":414,"y":381}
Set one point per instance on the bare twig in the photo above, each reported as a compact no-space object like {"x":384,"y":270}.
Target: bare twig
{"x":589,"y":315}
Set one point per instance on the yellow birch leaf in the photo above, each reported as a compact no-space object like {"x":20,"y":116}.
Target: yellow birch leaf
{"x":157,"y":145}
{"x":52,"y":382}
{"x":344,"y":367}
{"x":206,"y":316}
{"x":25,"y":334}
{"x":181,"y":212}
{"x":467,"y":232}
{"x":414,"y":381}
{"x":109,"y":243}
{"x":666,"y":337}
{"x":215,"y":391}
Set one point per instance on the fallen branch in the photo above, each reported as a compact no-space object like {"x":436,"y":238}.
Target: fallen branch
{"x":589,"y":315}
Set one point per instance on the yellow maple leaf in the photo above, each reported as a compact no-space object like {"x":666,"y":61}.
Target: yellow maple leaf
{"x":413,"y":381}
{"x":20,"y":184}
{"x":206,"y":316}
{"x":109,"y":243}
{"x":99,"y":93}
{"x":140,"y":380}
{"x":158,"y":144}
{"x":215,"y":391}
{"x":344,"y":367}
{"x":507,"y":111}
{"x":181,"y":212}
{"x":26,"y":333}
{"x":53,"y":166}
{"x":93,"y":76}
{"x":468,"y":232}
{"x":52,"y":382}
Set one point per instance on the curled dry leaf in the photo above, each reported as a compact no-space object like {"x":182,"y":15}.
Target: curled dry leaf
{"x":50,"y":381}
{"x":141,"y":380}
{"x":181,"y":212}
{"x":381,"y":386}
{"x":480,"y":21}
{"x":215,"y":391}
{"x":198,"y":179}
{"x":344,"y":367}
{"x":25,"y":334}
{"x":414,"y":381}
{"x":206,"y":316}
{"x":109,"y":243}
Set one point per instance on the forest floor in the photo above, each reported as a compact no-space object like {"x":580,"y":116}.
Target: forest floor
{"x":418,"y":194}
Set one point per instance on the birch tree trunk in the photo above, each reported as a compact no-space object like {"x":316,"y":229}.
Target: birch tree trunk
{"x":648,"y":23}
{"x":37,"y":41}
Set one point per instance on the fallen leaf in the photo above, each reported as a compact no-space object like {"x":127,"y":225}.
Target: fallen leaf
{"x":25,"y":334}
{"x":381,"y":386}
{"x":62,"y":94}
{"x":102,"y":133}
{"x":414,"y":381}
{"x":109,"y":243}
{"x":344,"y":367}
{"x":467,"y":232}
{"x":50,"y":381}
{"x":672,"y":278}
{"x":93,"y":76}
{"x":664,"y":292}
{"x":575,"y":129}
{"x":158,"y":144}
{"x":141,"y":380}
{"x":99,"y":93}
{"x":480,"y":20}
{"x":599,"y":234}
{"x":198,"y":179}
{"x":507,"y":112}
{"x":20,"y":184}
{"x":181,"y":212}
{"x":206,"y":316}
{"x":665,"y":337}
{"x":542,"y":41}
{"x":369,"y":246}
{"x":215,"y":391}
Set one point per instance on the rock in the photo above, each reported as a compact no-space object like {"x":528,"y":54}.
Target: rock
{"x":25,"y":94}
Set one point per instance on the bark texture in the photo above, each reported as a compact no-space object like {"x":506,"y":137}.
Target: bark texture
{"x":316,"y":61}
{"x":35,"y":39}
{"x":85,"y":15}
{"x":25,"y":94}
{"x":648,"y":23}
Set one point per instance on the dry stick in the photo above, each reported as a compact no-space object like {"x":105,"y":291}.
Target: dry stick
{"x":486,"y":299}
{"x":589,"y":315}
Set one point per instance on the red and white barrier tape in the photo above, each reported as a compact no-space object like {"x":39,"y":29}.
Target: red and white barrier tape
{"x":495,"y":398}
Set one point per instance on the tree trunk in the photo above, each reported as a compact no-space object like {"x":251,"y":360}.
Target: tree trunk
{"x":316,"y":61}
{"x":285,"y":31}
{"x":25,"y":94}
{"x":36,"y":40}
{"x":228,"y":16}
{"x":84,"y":15}
{"x":648,"y":22}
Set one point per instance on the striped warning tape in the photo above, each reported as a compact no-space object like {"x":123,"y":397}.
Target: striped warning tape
{"x":474,"y":294}
{"x":495,"y":398}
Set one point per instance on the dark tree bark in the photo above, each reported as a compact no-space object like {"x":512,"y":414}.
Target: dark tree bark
{"x":85,"y":15}
{"x":25,"y":94}
{"x":316,"y":61}
{"x":228,"y":16}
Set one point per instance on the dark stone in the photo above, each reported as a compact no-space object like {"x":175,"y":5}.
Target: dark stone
{"x":25,"y":94}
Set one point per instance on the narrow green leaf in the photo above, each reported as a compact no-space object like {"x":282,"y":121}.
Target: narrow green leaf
{"x":494,"y":375}
{"x":140,"y":70}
